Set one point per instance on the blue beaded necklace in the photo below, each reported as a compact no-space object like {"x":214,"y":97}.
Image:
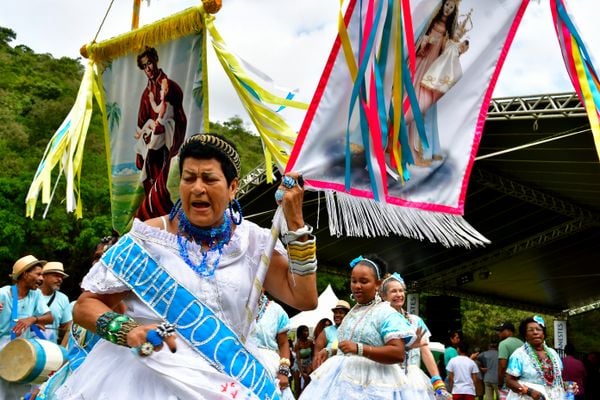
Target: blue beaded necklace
{"x":213,"y":239}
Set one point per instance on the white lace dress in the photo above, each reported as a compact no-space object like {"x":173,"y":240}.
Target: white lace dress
{"x":352,"y":377}
{"x":115,"y":372}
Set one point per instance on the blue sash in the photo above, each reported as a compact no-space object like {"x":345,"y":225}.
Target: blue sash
{"x":195,"y":322}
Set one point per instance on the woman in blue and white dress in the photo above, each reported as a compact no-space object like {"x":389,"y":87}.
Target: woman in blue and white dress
{"x":372,"y":340}
{"x":393,"y":289}
{"x":270,"y":338}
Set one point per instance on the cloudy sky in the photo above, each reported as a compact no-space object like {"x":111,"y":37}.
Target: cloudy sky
{"x":287,"y":39}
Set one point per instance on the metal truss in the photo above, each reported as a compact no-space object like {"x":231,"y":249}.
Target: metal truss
{"x":542,"y":238}
{"x":589,"y":306}
{"x":559,"y":105}
{"x":255,"y":178}
{"x":532,"y":196}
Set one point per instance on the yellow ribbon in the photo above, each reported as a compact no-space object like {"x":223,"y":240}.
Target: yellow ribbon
{"x":66,"y":147}
{"x":277,"y":136}
{"x":586,"y":92}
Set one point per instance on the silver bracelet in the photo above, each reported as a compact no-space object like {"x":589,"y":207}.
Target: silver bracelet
{"x":292,"y":236}
{"x":359,"y":349}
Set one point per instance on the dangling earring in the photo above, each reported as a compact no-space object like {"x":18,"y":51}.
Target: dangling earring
{"x":377,"y":297}
{"x":352,"y":297}
{"x":175,"y":209}
{"x":235,"y":207}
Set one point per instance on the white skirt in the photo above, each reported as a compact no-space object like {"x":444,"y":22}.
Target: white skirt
{"x":419,"y":382}
{"x":270,"y":359}
{"x":112,"y":372}
{"x":358,"y":378}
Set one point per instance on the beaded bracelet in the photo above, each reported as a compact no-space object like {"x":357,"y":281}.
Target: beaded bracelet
{"x":359,"y":349}
{"x":283,"y":370}
{"x":114,"y":327}
{"x":284,"y":362}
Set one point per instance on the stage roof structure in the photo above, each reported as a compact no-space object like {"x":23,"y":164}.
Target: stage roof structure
{"x":534,"y":192}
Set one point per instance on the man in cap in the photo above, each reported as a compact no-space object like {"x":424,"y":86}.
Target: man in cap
{"x":16,"y":317}
{"x":508,"y":343}
{"x":53,"y":274}
{"x":327,"y":340}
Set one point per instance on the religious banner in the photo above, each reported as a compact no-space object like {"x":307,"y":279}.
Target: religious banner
{"x":154,"y":100}
{"x":392,"y":131}
{"x":151,"y":87}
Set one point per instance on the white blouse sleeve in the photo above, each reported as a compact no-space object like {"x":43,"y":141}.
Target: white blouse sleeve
{"x":101,"y":280}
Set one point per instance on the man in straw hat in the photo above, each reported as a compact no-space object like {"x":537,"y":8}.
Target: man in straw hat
{"x":29,"y":308}
{"x":327,"y":340}
{"x":53,"y":274}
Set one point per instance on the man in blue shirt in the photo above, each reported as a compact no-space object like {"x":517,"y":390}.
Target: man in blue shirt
{"x":58,"y":302}
{"x":31,"y":309}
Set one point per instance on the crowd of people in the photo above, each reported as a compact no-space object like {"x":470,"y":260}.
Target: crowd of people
{"x":189,"y":306}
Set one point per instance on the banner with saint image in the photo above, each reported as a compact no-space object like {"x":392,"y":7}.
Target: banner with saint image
{"x":154,"y":100}
{"x":393,"y":128}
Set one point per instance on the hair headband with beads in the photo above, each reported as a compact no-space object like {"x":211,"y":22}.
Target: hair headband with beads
{"x":220,"y":145}
{"x":360,"y":259}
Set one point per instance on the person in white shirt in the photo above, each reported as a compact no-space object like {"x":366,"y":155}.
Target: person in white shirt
{"x":462,"y":375}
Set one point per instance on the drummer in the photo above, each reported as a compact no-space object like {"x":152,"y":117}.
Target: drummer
{"x":31,"y":309}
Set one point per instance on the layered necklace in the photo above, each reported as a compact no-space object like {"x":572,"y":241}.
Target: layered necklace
{"x":548,"y":370}
{"x":210,"y":240}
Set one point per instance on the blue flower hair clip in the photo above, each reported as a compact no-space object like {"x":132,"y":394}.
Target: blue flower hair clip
{"x":365,"y":260}
{"x":539,"y":320}
{"x":397,"y":277}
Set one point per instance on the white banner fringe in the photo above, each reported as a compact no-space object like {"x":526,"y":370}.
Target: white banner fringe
{"x":356,"y":216}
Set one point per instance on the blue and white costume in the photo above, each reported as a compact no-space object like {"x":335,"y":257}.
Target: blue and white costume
{"x":418,"y":381}
{"x":185,"y":374}
{"x":273,"y":321}
{"x":353,"y":377}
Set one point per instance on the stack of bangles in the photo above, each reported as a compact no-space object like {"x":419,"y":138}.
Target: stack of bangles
{"x":302,"y":255}
{"x":284,"y":367}
{"x":114,"y":327}
{"x":437,"y":383}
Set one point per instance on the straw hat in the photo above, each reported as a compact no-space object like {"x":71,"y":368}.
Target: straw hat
{"x":24,"y":263}
{"x":342,"y":305}
{"x":54,"y":267}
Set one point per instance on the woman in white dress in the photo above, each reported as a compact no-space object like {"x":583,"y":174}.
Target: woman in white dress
{"x":187,"y":280}
{"x":372,"y":339}
{"x":393,"y":289}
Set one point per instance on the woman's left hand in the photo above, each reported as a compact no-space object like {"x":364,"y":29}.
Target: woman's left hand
{"x":292,"y":196}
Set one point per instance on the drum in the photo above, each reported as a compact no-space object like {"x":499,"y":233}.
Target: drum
{"x":30,"y":360}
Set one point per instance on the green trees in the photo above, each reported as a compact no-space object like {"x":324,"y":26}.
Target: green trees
{"x":36,"y":93}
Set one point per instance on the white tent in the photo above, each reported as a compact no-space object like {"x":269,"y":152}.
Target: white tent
{"x":327,"y":300}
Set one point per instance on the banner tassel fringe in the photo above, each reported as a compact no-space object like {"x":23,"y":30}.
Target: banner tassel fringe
{"x":354,"y":216}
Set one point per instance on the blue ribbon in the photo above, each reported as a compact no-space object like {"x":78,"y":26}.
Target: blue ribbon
{"x":365,"y":260}
{"x":196,"y":323}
